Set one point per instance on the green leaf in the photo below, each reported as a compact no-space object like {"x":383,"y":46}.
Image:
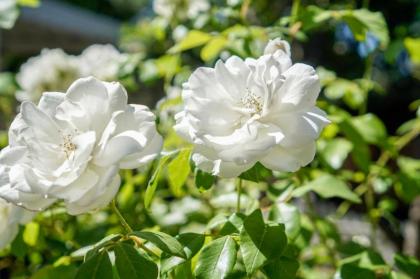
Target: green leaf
{"x":260,"y":242}
{"x":212,"y":49}
{"x":282,"y":268}
{"x":375,"y":23}
{"x":191,"y":242}
{"x":288,"y":215}
{"x":18,"y":247}
{"x":413,"y":47}
{"x":371,"y":128}
{"x":164,"y":242}
{"x":257,"y":173}
{"x":53,"y":272}
{"x":97,"y":267}
{"x":203,"y":180}
{"x":234,"y":224}
{"x":360,"y":152}
{"x":31,"y":233}
{"x":29,"y":3}
{"x":131,"y":264}
{"x":153,"y":183}
{"x":179,"y":169}
{"x":407,"y":264}
{"x":193,"y":39}
{"x":335,"y":151}
{"x":328,"y":186}
{"x":217,"y":259}
{"x":349,"y":271}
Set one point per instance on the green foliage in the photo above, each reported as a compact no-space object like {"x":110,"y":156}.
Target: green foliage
{"x":183,"y":219}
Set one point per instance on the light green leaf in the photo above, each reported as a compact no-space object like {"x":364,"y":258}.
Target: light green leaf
{"x":288,"y":215}
{"x":335,"y":151}
{"x":413,"y":47}
{"x":179,"y":169}
{"x":193,"y":39}
{"x":375,"y":23}
{"x":164,"y":242}
{"x":260,"y":242}
{"x":360,"y":152}
{"x":217,"y":259}
{"x":29,"y":3}
{"x":370,"y":128}
{"x":97,"y":267}
{"x":31,"y":233}
{"x":328,"y":186}
{"x":53,"y":272}
{"x":130,"y":264}
{"x":212,"y":49}
{"x":153,"y":183}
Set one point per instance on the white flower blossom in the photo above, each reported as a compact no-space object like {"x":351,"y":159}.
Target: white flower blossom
{"x":71,"y":146}
{"x":257,"y":110}
{"x":180,"y":9}
{"x":10,"y":218}
{"x":52,"y":70}
{"x":101,"y":61}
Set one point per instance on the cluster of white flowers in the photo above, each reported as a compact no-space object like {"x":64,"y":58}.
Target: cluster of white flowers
{"x":11,"y":216}
{"x":180,"y":9}
{"x":54,"y":70}
{"x":71,"y":146}
{"x":258,"y":110}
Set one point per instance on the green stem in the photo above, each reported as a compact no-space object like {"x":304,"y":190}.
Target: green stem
{"x":120,"y":217}
{"x":295,"y":11}
{"x":238,"y":198}
{"x":313,"y":217}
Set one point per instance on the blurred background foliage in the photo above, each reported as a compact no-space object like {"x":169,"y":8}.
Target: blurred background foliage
{"x":347,"y":215}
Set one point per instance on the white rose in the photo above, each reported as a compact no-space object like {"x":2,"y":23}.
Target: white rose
{"x":71,"y":146}
{"x":52,"y":70}
{"x":277,"y":44}
{"x":180,"y":9}
{"x":101,"y":61}
{"x":257,"y":110}
{"x":10,"y":218}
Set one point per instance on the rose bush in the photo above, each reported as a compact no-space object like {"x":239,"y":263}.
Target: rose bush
{"x":233,"y":188}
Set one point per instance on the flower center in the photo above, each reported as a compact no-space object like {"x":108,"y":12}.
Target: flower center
{"x":252,"y":102}
{"x":68,"y":146}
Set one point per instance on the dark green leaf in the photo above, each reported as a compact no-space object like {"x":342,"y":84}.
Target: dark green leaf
{"x":191,"y":242}
{"x":282,"y":268}
{"x":132,"y":265}
{"x":260,"y":242}
{"x":234,"y":224}
{"x":257,"y":173}
{"x":407,"y":264}
{"x":164,"y":242}
{"x":97,"y":267}
{"x":217,"y":259}
{"x":203,"y":180}
{"x":349,"y":271}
